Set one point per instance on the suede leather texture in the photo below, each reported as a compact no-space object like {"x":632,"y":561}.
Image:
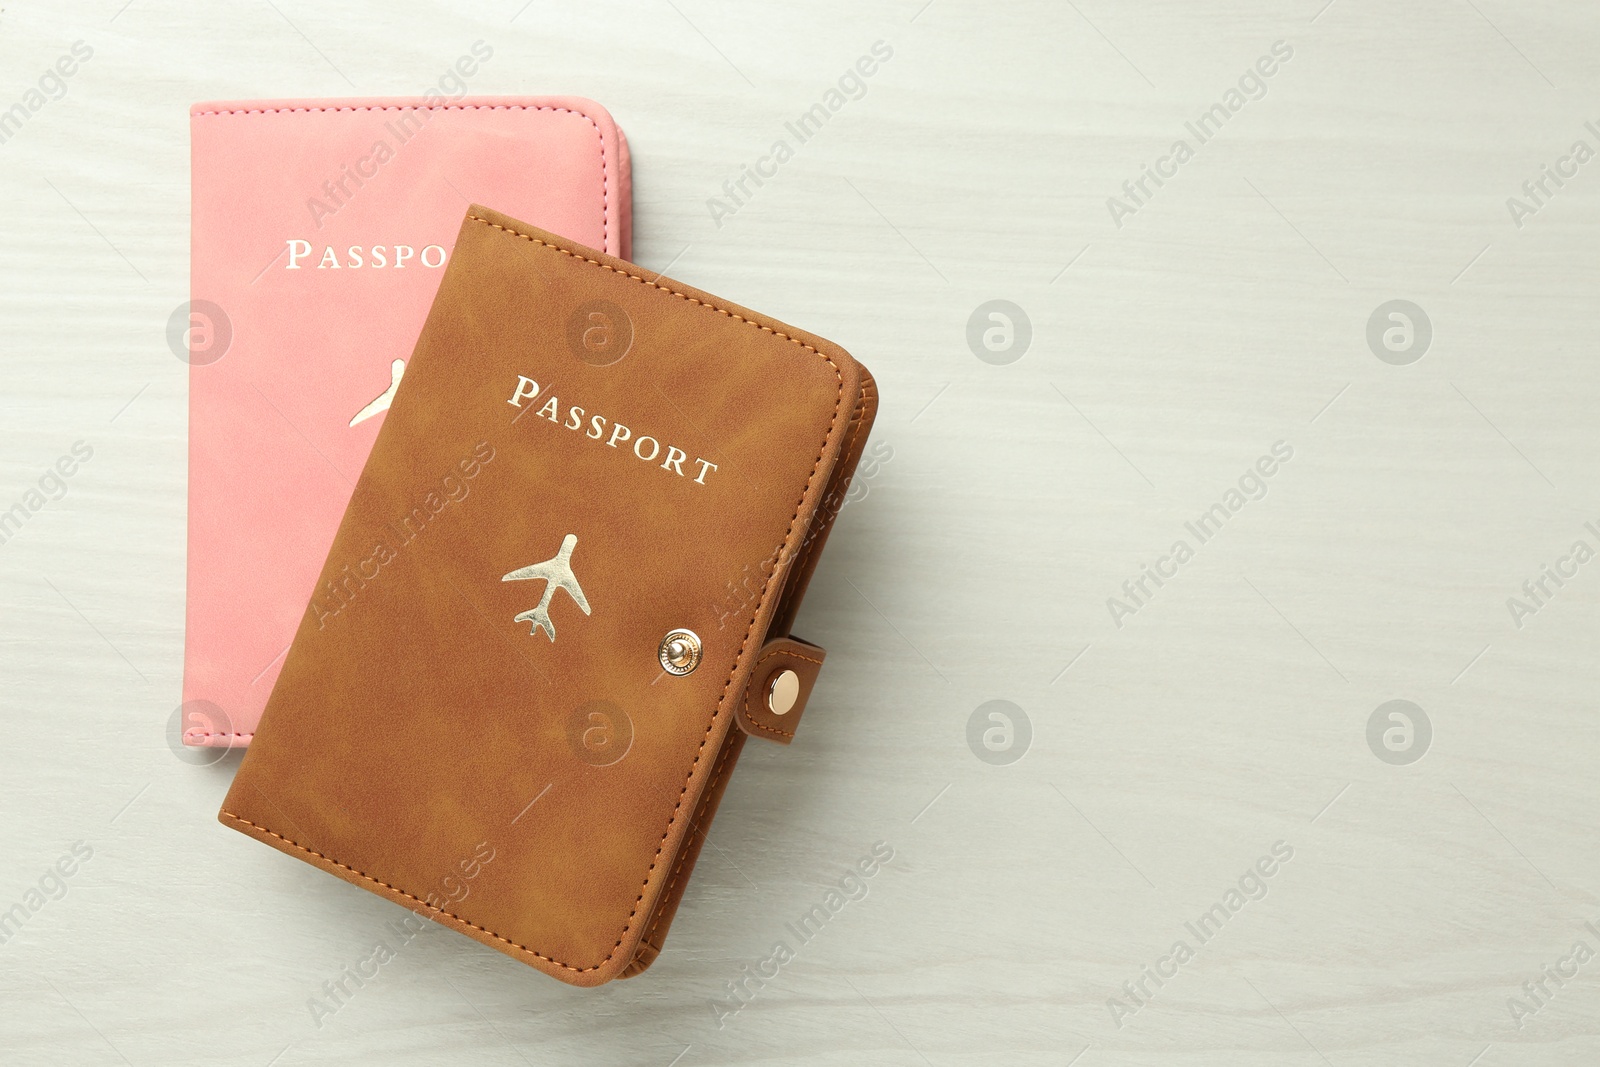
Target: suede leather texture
{"x":418,"y":725}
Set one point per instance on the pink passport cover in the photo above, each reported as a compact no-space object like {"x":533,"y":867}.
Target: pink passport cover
{"x":273,"y":453}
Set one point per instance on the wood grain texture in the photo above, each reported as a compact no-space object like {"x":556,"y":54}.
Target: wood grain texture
{"x":1168,"y":754}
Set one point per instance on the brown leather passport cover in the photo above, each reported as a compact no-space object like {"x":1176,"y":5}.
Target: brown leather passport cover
{"x":476,"y":719}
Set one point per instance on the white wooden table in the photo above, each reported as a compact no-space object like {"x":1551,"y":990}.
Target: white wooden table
{"x":1169,"y":741}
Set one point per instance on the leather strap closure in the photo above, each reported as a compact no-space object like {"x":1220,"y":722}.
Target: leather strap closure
{"x":781,"y":683}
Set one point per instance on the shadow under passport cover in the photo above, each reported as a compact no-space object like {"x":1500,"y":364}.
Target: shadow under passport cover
{"x":426,"y":719}
{"x":321,"y":229}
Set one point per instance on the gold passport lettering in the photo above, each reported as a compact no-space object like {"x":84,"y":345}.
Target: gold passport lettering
{"x":575,"y":419}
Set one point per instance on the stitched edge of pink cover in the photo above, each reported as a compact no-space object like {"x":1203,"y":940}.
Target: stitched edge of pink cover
{"x":615,"y":161}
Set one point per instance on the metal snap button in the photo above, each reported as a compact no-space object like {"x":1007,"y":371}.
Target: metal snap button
{"x":783,"y":693}
{"x":679,"y":652}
